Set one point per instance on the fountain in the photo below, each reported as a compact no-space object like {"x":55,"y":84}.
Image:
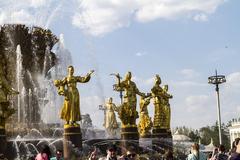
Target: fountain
{"x":28,"y":64}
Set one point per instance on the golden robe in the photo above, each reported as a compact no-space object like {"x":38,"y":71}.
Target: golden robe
{"x":71,"y":106}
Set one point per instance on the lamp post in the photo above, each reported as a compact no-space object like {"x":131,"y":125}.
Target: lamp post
{"x":216,"y":80}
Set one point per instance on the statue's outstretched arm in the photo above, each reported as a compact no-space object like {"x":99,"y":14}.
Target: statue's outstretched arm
{"x":119,"y":86}
{"x":140,"y":93}
{"x":85,"y":78}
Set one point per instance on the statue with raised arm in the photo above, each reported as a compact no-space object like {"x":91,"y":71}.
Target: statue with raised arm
{"x":68,"y":88}
{"x":145,"y":123}
{"x":5,"y":91}
{"x":110,"y":123}
{"x":167,"y":109}
{"x":127,"y":111}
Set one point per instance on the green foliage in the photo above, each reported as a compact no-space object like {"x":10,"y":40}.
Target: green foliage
{"x":212,"y":132}
{"x":191,"y":133}
{"x":205,"y":134}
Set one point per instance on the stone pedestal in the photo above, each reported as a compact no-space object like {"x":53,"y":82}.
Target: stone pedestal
{"x":129,"y":136}
{"x":145,"y":142}
{"x":159,"y":133}
{"x":72,"y":139}
{"x":162,"y":139}
{"x":3,"y":141}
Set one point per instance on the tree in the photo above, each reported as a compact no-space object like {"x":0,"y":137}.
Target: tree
{"x":209,"y":132}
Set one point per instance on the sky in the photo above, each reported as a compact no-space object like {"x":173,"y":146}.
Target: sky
{"x":184,"y":41}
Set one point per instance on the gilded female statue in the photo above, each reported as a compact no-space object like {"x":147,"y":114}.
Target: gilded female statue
{"x":111,"y":122}
{"x":127,"y":112}
{"x":68,"y":88}
{"x":167,"y":109}
{"x":157,"y":94}
{"x":145,"y":123}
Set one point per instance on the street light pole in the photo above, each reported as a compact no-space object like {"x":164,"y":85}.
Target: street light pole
{"x":216,"y":80}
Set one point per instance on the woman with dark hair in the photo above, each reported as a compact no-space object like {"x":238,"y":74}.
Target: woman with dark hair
{"x":221,"y":153}
{"x":45,"y":153}
{"x":196,"y":154}
{"x":235,"y":152}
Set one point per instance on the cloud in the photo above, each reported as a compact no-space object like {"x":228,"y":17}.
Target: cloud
{"x":197,"y":103}
{"x":21,"y":16}
{"x":142,"y":81}
{"x":231,"y":89}
{"x":201,"y":17}
{"x":30,"y":12}
{"x":100,"y":17}
{"x":189,"y":73}
{"x":188,"y":84}
{"x":38,"y":3}
{"x":233,"y":79}
{"x":238,"y":109}
{"x":140,"y":54}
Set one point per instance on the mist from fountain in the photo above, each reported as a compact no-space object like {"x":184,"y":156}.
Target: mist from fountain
{"x":53,"y":101}
{"x":23,"y":96}
{"x":19,"y":77}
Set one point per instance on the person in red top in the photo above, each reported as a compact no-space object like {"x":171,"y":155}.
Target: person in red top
{"x":45,"y":154}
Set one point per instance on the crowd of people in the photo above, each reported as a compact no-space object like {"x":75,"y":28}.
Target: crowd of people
{"x":45,"y":154}
{"x":218,"y":153}
{"x":131,"y":153}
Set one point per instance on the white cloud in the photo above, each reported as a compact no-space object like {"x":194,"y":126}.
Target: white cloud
{"x":142,"y":81}
{"x":189,"y":73}
{"x":238,"y":109}
{"x":233,"y":79}
{"x":197,"y":103}
{"x":140,"y":54}
{"x":100,"y":17}
{"x":174,"y":8}
{"x":231,"y":89}
{"x":200,"y":17}
{"x":38,"y":3}
{"x":188,"y":84}
{"x":30,"y":12}
{"x":21,"y":16}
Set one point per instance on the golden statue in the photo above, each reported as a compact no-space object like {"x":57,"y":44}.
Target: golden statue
{"x":145,"y":123}
{"x":127,"y":111}
{"x":68,"y":88}
{"x":5,"y":92}
{"x":167,"y":109}
{"x":110,"y":120}
{"x":157,"y":94}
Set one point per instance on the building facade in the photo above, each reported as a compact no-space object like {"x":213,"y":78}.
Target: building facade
{"x":234,"y":130}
